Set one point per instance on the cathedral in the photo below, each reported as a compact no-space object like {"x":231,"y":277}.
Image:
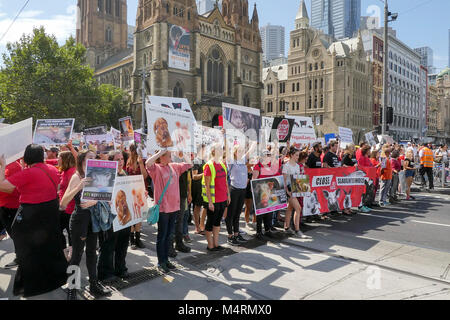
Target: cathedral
{"x":209,"y":59}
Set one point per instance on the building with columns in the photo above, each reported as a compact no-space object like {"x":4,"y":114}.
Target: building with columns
{"x":208,"y":59}
{"x":327,"y":80}
{"x":439,"y":108}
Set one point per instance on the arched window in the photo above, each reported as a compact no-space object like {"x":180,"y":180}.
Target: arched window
{"x":322,"y":65}
{"x":117,"y":7}
{"x":108,"y":7}
{"x":178,"y":91}
{"x":215,"y":73}
{"x":246,"y":100}
{"x":108,"y":34}
{"x":100,"y":5}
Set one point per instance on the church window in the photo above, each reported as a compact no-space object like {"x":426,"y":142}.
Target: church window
{"x":178,"y":91}
{"x":100,"y":5}
{"x":246,"y":100}
{"x":215,"y":73}
{"x":189,"y":15}
{"x":321,"y":101}
{"x":230,"y":79}
{"x":108,"y":34}
{"x":322,"y":65}
{"x":293,"y":87}
{"x":298,"y":86}
{"x":108,"y":7}
{"x":167,"y":8}
{"x":310,"y":67}
{"x":309,"y":104}
{"x":117,"y":8}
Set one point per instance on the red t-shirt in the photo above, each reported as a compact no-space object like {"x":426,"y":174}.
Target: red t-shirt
{"x":364,"y":162}
{"x":63,"y":184}
{"x":220,"y":183}
{"x":34,"y":185}
{"x":267,"y":171}
{"x":11,"y":201}
{"x":52,"y":162}
{"x":358,"y":154}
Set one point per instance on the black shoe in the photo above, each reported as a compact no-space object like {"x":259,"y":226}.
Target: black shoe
{"x":172,"y":252}
{"x":219,"y":248}
{"x":97,"y":290}
{"x":72,"y":294}
{"x":124,"y":275}
{"x":11,"y":265}
{"x":260,"y":236}
{"x":138,"y":241}
{"x":164,"y":268}
{"x":210,"y":250}
{"x":233,"y":241}
{"x":240,"y":238}
{"x":170,"y":265}
{"x":180,"y":246}
{"x":132,"y":241}
{"x":269,"y":234}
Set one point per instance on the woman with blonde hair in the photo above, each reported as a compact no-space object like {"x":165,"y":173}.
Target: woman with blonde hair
{"x":408,"y":166}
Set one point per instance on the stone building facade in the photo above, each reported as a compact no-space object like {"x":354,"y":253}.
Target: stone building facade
{"x":225,"y":56}
{"x":440,"y":105}
{"x":327,"y":80}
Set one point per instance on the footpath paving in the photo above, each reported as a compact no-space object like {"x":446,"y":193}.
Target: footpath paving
{"x":331,"y":265}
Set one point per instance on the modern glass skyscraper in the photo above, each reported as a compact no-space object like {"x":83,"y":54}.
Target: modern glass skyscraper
{"x":272,"y":38}
{"x":340,"y":18}
{"x":426,"y":58}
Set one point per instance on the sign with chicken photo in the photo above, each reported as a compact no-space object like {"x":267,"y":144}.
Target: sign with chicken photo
{"x":169,"y":129}
{"x":129,"y":201}
{"x":300,"y":186}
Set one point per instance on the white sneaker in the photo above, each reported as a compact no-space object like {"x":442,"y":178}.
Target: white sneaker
{"x":299,"y":234}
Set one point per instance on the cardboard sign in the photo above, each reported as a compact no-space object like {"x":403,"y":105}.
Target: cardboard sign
{"x":15,"y":138}
{"x":346,"y":136}
{"x":52,"y":132}
{"x":103,"y":175}
{"x":116,"y":136}
{"x":129,"y":201}
{"x":283,"y":127}
{"x":372,"y":139}
{"x":269,"y":195}
{"x":329,"y":136}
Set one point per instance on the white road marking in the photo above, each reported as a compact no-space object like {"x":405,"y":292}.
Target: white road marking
{"x":405,"y":220}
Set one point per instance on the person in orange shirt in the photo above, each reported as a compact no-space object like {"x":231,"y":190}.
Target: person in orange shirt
{"x":386,"y":174}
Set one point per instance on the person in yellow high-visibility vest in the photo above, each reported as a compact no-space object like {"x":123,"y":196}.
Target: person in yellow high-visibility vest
{"x":216,"y":195}
{"x":426,"y":165}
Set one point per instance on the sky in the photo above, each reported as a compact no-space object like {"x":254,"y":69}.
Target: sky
{"x":420,"y":22}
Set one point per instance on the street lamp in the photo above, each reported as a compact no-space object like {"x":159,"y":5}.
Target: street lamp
{"x":394,"y":17}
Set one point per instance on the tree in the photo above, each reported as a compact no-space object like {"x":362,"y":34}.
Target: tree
{"x":43,"y":80}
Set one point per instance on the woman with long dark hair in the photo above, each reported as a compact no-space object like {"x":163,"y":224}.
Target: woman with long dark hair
{"x":35,"y":230}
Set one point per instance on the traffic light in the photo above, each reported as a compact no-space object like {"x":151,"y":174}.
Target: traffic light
{"x":390,"y":115}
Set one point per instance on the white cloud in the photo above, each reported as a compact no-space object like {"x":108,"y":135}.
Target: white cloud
{"x":31,"y":13}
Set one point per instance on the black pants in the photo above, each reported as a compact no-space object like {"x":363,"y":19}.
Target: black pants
{"x":80,"y":227}
{"x":214,"y":218}
{"x":267,"y":218}
{"x":64,"y":224}
{"x":235,"y":209}
{"x":177,"y":233}
{"x":113,"y":252}
{"x":6,"y":218}
{"x":429,"y":173}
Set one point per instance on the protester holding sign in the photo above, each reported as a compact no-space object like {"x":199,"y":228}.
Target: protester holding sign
{"x":81,"y":226}
{"x":42,"y":265}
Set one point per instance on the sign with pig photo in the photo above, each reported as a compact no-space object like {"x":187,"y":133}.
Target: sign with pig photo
{"x":269,"y":195}
{"x":129,"y":201}
{"x":334,"y":189}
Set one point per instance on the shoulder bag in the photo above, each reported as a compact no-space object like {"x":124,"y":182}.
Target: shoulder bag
{"x":153,"y":212}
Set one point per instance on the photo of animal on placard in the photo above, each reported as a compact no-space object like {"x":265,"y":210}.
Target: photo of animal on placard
{"x":333,"y":199}
{"x":138,"y":202}
{"x":311,"y":204}
{"x":161,"y":130}
{"x":123,"y":212}
{"x":266,"y":192}
{"x":300,"y":185}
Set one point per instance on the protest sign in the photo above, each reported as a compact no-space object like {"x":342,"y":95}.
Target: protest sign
{"x":266,"y":128}
{"x":268,"y":195}
{"x":329,"y":136}
{"x":169,"y":129}
{"x":303,"y":132}
{"x":129,"y":201}
{"x":126,"y":129}
{"x":52,"y":132}
{"x":116,"y":136}
{"x":15,"y":138}
{"x":300,"y":186}
{"x":103,"y":175}
{"x":77,"y":138}
{"x":346,"y":136}
{"x":333,"y":189}
{"x":283,"y":128}
{"x":207,"y":136}
{"x":241,"y":119}
{"x":103,"y":143}
{"x":95,"y":130}
{"x":372,"y":139}
{"x":180,"y":104}
{"x":140,"y":140}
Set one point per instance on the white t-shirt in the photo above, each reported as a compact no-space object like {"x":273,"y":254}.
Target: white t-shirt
{"x":291,"y":170}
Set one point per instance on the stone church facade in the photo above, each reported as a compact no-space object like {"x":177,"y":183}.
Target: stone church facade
{"x":224,"y":60}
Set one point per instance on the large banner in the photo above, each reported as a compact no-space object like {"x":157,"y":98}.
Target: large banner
{"x":102,"y":175}
{"x":129,"y":201}
{"x":169,"y":129}
{"x":101,"y":144}
{"x":179,"y":47}
{"x":303,"y":132}
{"x":15,"y":138}
{"x":269,"y":195}
{"x":51,"y":132}
{"x":334,"y":189}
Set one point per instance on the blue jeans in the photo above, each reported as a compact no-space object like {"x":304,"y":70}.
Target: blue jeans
{"x":187,"y":213}
{"x":165,"y":226}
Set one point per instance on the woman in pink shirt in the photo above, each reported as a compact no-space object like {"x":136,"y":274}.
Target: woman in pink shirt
{"x":161,"y":169}
{"x":66,"y":164}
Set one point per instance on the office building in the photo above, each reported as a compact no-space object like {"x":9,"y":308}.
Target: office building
{"x":339,"y":18}
{"x":204,"y":6}
{"x":426,"y":58}
{"x":272,"y":38}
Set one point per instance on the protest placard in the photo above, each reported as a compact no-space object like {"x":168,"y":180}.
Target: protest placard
{"x":129,"y":201}
{"x":372,"y":138}
{"x":15,"y":138}
{"x":329,"y":137}
{"x":116,"y":136}
{"x":283,"y":127}
{"x":102,"y":144}
{"x":102,"y":175}
{"x":97,"y":130}
{"x":169,"y":129}
{"x":140,"y":140}
{"x":126,"y":129}
{"x":241,"y":119}
{"x":77,"y":138}
{"x":346,"y":136}
{"x":303,"y":132}
{"x":180,"y":104}
{"x":300,"y":186}
{"x":268,"y":194}
{"x":52,"y":132}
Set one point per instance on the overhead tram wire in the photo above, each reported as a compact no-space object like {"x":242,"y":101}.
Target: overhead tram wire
{"x":14,"y":20}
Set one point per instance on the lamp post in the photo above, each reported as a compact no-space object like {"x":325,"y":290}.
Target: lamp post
{"x":394,"y":16}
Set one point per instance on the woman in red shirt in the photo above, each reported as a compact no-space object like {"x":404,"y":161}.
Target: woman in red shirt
{"x":35,"y":230}
{"x":136,"y":166}
{"x":66,"y":164}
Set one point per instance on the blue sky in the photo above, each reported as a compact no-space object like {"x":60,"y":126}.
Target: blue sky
{"x":420,"y":22}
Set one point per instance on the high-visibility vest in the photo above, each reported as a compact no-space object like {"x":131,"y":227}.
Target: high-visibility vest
{"x":213,"y":181}
{"x":427,"y":158}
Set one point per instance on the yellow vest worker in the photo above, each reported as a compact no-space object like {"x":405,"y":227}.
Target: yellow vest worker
{"x":213,"y":181}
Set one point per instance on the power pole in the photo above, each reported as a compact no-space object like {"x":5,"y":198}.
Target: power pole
{"x":386,"y":66}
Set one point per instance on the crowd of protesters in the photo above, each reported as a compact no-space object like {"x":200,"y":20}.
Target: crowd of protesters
{"x":42,"y":211}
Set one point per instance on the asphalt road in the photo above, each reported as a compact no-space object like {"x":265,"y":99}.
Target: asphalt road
{"x":424,"y":222}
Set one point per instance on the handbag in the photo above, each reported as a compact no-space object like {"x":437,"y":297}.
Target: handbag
{"x":153,"y":212}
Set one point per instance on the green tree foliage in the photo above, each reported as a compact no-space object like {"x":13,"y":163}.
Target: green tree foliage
{"x":43,"y":80}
